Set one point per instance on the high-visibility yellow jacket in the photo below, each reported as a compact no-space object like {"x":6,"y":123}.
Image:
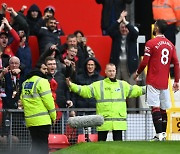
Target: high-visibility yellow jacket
{"x":111,"y":100}
{"x":176,"y":8}
{"x":163,"y":9}
{"x":38,"y":103}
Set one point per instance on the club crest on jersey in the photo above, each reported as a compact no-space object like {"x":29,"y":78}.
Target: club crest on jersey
{"x":147,"y":48}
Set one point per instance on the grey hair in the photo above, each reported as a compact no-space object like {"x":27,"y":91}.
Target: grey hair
{"x":14,"y":57}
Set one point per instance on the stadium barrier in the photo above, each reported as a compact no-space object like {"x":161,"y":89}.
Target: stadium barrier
{"x":140,"y":128}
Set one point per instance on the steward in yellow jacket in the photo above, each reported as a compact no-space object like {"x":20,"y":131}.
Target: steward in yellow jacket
{"x":39,"y":109}
{"x":110,"y":95}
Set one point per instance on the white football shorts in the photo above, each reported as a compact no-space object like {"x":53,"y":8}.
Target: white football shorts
{"x":158,"y":98}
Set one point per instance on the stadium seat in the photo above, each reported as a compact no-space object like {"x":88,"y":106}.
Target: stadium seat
{"x":33,"y":44}
{"x":92,"y":137}
{"x":63,"y":39}
{"x":57,"y":141}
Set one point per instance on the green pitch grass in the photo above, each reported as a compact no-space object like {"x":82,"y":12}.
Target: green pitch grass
{"x":125,"y":147}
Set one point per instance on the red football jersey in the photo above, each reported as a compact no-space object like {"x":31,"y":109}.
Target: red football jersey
{"x":158,"y":55}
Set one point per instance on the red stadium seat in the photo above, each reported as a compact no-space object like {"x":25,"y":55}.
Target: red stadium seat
{"x":92,"y":137}
{"x":57,"y":141}
{"x":63,"y":39}
{"x":33,"y":44}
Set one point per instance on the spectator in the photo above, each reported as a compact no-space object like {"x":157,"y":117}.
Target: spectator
{"x":111,"y":10}
{"x":53,"y":51}
{"x":79,"y":35}
{"x":59,"y":88}
{"x":81,"y":42}
{"x":24,"y":53}
{"x":72,"y":41}
{"x":33,"y":16}
{"x":90,"y":74}
{"x":13,"y":81}
{"x":49,"y":12}
{"x":12,"y":87}
{"x":159,"y":54}
{"x":18,"y":21}
{"x":37,"y":100}
{"x":124,"y":51}
{"x":11,"y":49}
{"x":4,"y":58}
{"x":83,"y":54}
{"x":48,"y":34}
{"x":87,"y":48}
{"x":62,"y":92}
{"x":110,"y":95}
{"x":70,"y":60}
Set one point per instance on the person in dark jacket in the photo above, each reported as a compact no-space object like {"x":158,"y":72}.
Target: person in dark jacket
{"x":91,"y":73}
{"x":24,"y":53}
{"x":82,"y":55}
{"x":33,"y":16}
{"x":48,"y":34}
{"x":124,"y":50}
{"x":62,"y":91}
{"x":111,"y":10}
{"x":13,"y":83}
{"x":18,"y":21}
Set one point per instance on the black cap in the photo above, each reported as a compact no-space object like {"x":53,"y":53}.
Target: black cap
{"x":49,"y":9}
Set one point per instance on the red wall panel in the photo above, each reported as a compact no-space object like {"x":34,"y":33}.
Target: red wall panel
{"x":74,"y":15}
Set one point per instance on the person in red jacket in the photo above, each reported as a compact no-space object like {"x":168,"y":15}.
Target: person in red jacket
{"x":158,"y":55}
{"x":4,"y":47}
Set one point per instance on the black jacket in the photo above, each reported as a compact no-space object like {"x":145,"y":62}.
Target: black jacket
{"x":45,"y":36}
{"x":62,"y":91}
{"x":32,"y":21}
{"x":107,"y":6}
{"x":85,"y":79}
{"x":131,"y":46}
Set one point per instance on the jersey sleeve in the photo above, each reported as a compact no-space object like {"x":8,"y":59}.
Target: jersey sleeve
{"x":147,"y":54}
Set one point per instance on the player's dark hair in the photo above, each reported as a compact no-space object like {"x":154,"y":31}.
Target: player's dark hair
{"x":162,"y":24}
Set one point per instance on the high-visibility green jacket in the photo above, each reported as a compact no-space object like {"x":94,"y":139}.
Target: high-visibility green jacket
{"x":38,"y":103}
{"x":111,"y":100}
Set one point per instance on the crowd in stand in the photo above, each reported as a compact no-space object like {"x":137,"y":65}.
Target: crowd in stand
{"x":73,"y":59}
{"x":62,"y":60}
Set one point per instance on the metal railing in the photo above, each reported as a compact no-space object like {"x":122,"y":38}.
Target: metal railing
{"x":15,"y":135}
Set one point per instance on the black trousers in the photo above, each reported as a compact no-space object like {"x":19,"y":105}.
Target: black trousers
{"x":117,"y":135}
{"x":39,"y":136}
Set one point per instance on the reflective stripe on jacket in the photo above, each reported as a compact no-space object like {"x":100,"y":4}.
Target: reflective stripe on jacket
{"x":111,"y":100}
{"x":163,"y":9}
{"x":38,"y":103}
